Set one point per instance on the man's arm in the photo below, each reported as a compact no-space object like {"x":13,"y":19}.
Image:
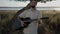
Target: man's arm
{"x":39,"y":21}
{"x":22,"y":15}
{"x":21,"y":22}
{"x":39,"y":17}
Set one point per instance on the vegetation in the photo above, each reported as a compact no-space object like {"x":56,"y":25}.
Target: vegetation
{"x":51,"y":25}
{"x":48,"y":26}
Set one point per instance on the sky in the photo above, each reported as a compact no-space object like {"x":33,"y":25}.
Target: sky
{"x":7,"y":3}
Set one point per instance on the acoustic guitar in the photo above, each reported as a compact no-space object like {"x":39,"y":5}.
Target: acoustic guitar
{"x":26,"y":21}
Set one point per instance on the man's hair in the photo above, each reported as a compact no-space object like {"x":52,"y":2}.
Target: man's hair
{"x":34,"y":0}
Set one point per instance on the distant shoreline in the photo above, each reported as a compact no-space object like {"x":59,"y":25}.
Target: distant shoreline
{"x":38,"y":8}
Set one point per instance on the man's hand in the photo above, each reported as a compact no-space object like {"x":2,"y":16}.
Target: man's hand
{"x":39,"y":21}
{"x":22,"y":23}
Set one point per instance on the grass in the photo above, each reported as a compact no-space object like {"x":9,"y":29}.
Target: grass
{"x":51,"y":27}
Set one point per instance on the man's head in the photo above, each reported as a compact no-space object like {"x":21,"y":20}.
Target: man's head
{"x":33,"y":3}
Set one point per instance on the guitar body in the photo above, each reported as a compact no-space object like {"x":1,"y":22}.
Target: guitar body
{"x":16,"y":24}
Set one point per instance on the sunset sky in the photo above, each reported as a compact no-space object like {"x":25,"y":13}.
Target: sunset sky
{"x":8,"y":3}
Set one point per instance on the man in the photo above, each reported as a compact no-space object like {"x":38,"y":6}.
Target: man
{"x":33,"y":14}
